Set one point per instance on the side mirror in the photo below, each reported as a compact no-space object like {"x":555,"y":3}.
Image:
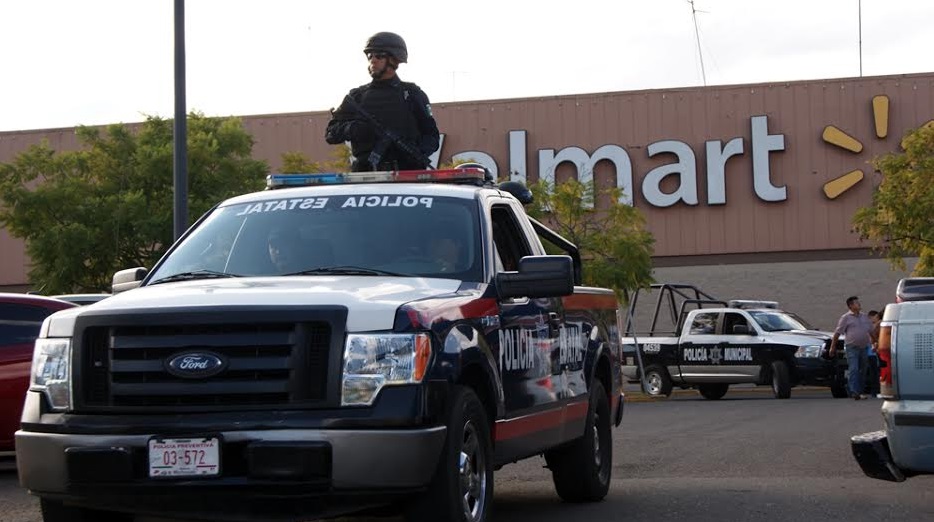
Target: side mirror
{"x":538,"y":276}
{"x":742,"y":329}
{"x":128,"y":279}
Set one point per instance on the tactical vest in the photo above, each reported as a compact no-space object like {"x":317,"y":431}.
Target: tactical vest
{"x":388,"y":104}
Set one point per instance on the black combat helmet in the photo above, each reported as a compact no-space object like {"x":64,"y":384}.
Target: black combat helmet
{"x":389,"y":43}
{"x":518,"y":190}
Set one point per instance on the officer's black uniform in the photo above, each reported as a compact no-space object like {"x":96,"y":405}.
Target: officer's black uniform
{"x":399,"y":106}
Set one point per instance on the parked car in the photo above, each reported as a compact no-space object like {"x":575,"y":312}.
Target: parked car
{"x":21,"y":316}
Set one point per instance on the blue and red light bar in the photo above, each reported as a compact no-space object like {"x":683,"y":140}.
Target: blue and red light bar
{"x":471,"y":175}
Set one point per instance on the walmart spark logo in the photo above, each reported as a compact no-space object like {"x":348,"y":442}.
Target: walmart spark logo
{"x":839,"y":138}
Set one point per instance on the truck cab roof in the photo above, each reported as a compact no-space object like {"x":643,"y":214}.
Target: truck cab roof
{"x":747,"y":304}
{"x":915,"y":289}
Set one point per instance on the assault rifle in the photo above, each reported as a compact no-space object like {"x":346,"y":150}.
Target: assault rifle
{"x":387,"y":138}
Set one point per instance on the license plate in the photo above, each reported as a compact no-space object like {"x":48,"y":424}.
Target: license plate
{"x":194,"y":457}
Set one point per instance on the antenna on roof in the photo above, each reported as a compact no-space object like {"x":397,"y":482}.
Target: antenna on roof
{"x":700,"y":53}
{"x":860,"y":7}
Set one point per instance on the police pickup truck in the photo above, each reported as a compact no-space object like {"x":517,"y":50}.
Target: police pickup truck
{"x":712,"y":345}
{"x":906,"y":382}
{"x":346,"y":341}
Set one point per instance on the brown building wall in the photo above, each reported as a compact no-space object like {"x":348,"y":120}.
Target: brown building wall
{"x":803,"y":225}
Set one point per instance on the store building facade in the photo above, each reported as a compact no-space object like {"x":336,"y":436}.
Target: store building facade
{"x":749,"y":190}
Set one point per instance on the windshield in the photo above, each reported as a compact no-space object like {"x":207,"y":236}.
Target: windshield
{"x":349,"y":234}
{"x":777,"y":321}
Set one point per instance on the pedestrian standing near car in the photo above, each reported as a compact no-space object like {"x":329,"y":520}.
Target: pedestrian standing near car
{"x":872,"y":356}
{"x":388,"y":122}
{"x":855,"y":327}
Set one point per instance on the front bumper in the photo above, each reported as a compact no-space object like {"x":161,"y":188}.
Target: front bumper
{"x":273,"y":473}
{"x":819,"y":371}
{"x":283,"y":465}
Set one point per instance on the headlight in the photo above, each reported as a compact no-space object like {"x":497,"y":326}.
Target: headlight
{"x":51,"y":372}
{"x":372,"y":361}
{"x":811,"y":352}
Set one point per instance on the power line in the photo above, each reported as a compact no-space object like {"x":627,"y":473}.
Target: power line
{"x":700,"y":54}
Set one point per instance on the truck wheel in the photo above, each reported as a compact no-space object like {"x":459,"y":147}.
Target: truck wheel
{"x":581,"y":470}
{"x":462,"y":488}
{"x":53,"y":511}
{"x":838,"y":388}
{"x":839,"y":391}
{"x":657,"y":381}
{"x":781,"y":380}
{"x":713,"y":391}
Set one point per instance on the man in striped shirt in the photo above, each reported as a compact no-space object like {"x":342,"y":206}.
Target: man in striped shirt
{"x":855,"y":327}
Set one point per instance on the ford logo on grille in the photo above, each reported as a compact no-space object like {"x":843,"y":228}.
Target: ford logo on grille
{"x":196,"y":365}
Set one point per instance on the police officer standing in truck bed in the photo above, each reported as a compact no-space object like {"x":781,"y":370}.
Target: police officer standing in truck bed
{"x":386,"y":121}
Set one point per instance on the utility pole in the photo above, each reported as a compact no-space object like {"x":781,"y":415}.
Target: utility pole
{"x":180,"y":139}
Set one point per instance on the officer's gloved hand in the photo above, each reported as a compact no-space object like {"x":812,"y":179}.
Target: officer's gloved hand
{"x":361,"y":131}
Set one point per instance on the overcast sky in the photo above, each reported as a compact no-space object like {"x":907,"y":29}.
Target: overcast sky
{"x":74,"y":62}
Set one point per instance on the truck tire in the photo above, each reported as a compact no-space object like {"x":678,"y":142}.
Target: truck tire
{"x":781,"y":380}
{"x":657,"y":381}
{"x":713,"y":391}
{"x":839,"y":391}
{"x":462,"y":488}
{"x":581,"y":469}
{"x":53,"y":511}
{"x":838,"y":388}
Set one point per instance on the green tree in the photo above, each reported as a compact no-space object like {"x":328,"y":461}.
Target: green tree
{"x":85,"y":214}
{"x":616,"y":249}
{"x":298,"y":163}
{"x":901,"y":217}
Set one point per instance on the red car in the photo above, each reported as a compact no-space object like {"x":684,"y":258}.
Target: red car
{"x":21,"y":315}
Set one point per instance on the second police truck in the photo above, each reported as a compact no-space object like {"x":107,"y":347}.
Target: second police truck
{"x":696,"y":341}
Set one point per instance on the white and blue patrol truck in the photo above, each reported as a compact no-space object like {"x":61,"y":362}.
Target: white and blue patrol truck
{"x":341,"y":342}
{"x":696,"y":341}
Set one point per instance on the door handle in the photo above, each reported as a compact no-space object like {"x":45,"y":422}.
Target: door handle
{"x":554,"y":321}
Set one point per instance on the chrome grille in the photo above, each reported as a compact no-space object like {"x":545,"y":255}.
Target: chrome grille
{"x":268,"y":363}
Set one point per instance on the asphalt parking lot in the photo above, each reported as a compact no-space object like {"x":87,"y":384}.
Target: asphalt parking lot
{"x":744,"y":457}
